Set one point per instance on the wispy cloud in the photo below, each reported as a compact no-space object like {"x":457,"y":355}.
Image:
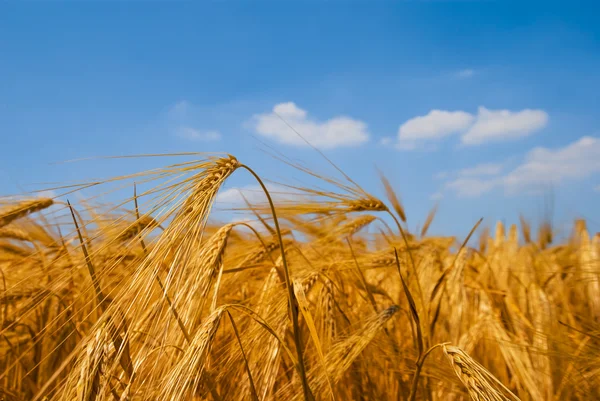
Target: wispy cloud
{"x":483,"y":127}
{"x":386,"y":141}
{"x":543,"y":166}
{"x":194,"y":134}
{"x":48,"y":193}
{"x":249,"y":220}
{"x":466,"y":73}
{"x":500,"y":125}
{"x":442,"y":175}
{"x":437,"y":196}
{"x":179,"y":110}
{"x":474,"y":181}
{"x":540,"y":169}
{"x":465,"y":187}
{"x":182,"y":122}
{"x":481,"y":170}
{"x":234,"y":197}
{"x":432,"y":126}
{"x":336,"y":132}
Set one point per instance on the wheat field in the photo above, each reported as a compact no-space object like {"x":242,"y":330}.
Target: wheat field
{"x":324,"y":295}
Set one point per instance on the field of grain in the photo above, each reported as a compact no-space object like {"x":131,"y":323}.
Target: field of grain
{"x":328,"y":296}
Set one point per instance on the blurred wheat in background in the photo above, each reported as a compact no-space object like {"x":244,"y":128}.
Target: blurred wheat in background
{"x":327,"y":295}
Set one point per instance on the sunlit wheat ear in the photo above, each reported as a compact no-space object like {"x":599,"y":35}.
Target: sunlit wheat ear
{"x":10,"y":232}
{"x":94,"y":369}
{"x":268,"y":288}
{"x":525,"y":229}
{"x":590,"y":268}
{"x":593,"y":254}
{"x":186,"y":376}
{"x":580,"y":226}
{"x":428,"y":221}
{"x":206,"y":268}
{"x":356,"y":225}
{"x":216,"y":251}
{"x":543,"y":319}
{"x":513,"y":238}
{"x":485,"y":240}
{"x":309,"y":282}
{"x":14,"y":212}
{"x":263,"y":252}
{"x":265,"y":350}
{"x":481,"y":384}
{"x":367,"y":204}
{"x":199,"y":202}
{"x":393,"y":198}
{"x":11,"y":250}
{"x":329,"y":312}
{"x":342,"y":354}
{"x":457,"y":294}
{"x":213,"y":250}
{"x":29,"y":232}
{"x":134,"y":228}
{"x":500,"y":235}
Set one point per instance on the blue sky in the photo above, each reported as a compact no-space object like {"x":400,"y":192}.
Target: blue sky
{"x":489,"y":108}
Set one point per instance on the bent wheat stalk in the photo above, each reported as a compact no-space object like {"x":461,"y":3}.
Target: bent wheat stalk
{"x":292,"y":299}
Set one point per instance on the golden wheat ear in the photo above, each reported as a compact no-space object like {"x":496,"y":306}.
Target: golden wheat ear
{"x":10,"y":232}
{"x":12,"y":213}
{"x":480,"y":383}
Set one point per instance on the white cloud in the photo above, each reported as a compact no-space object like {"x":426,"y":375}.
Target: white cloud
{"x":47,"y":193}
{"x":437,"y":196}
{"x":197,"y":135}
{"x":289,"y":110}
{"x":541,"y":168}
{"x":435,"y":125}
{"x":496,"y":125}
{"x":442,"y":175}
{"x":232,"y":197}
{"x":466,"y":73}
{"x":481,"y":169}
{"x":466,"y":187}
{"x":336,"y":132}
{"x":251,"y":221}
{"x":179,"y":110}
{"x":486,"y":126}
{"x":474,"y":181}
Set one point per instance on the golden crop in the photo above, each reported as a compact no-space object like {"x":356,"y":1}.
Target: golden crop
{"x":328,"y":296}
